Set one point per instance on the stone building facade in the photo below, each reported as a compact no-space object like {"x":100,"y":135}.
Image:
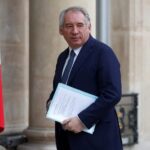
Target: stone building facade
{"x":30,"y":43}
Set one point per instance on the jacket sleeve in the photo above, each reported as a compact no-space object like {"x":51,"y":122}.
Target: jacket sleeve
{"x":109,"y":91}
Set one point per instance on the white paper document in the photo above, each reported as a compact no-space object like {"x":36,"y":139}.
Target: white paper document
{"x":69,"y":102}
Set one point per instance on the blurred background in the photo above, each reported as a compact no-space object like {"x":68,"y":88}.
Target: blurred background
{"x":29,"y":46}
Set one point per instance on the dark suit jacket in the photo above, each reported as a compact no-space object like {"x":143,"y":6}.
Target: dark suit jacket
{"x":96,"y":71}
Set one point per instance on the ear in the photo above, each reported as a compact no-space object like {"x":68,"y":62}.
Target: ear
{"x":61,"y":31}
{"x":90,"y":26}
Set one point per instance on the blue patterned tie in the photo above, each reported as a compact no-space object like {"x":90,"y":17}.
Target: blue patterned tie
{"x":67,"y":70}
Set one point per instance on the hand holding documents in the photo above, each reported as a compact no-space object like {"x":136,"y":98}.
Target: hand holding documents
{"x":68,"y":102}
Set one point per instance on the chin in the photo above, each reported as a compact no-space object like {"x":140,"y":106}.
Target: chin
{"x":76,"y":45}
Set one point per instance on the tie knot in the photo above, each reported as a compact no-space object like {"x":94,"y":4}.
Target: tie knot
{"x":72,"y":53}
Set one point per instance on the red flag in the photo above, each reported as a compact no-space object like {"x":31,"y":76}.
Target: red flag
{"x":1,"y":102}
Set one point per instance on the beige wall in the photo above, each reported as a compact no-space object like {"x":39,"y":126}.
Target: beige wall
{"x":130,"y":34}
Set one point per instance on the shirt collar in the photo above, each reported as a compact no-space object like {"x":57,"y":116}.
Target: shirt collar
{"x":76,"y":50}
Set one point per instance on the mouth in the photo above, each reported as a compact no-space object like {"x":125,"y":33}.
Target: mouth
{"x":75,"y":38}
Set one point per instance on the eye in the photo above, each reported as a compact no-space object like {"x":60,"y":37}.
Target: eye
{"x":80,"y":25}
{"x":68,"y":26}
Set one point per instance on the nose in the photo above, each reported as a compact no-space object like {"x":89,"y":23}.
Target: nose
{"x":75,"y":30}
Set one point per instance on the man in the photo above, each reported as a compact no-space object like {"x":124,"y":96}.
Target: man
{"x":95,"y":70}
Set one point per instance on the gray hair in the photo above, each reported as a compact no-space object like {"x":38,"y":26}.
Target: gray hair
{"x":74,"y":8}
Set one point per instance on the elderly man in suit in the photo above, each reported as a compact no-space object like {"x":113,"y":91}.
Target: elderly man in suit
{"x":96,"y":70}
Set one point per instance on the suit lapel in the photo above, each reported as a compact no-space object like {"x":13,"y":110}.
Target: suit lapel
{"x":83,"y":55}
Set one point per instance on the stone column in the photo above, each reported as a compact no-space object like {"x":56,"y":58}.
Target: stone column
{"x":45,"y":45}
{"x":120,"y":30}
{"x":42,"y":55}
{"x":14,"y":52}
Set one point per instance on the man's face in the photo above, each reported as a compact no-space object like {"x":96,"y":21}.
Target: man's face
{"x":75,"y":30}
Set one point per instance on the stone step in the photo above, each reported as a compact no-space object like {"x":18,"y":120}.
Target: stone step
{"x":2,"y":148}
{"x":37,"y":146}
